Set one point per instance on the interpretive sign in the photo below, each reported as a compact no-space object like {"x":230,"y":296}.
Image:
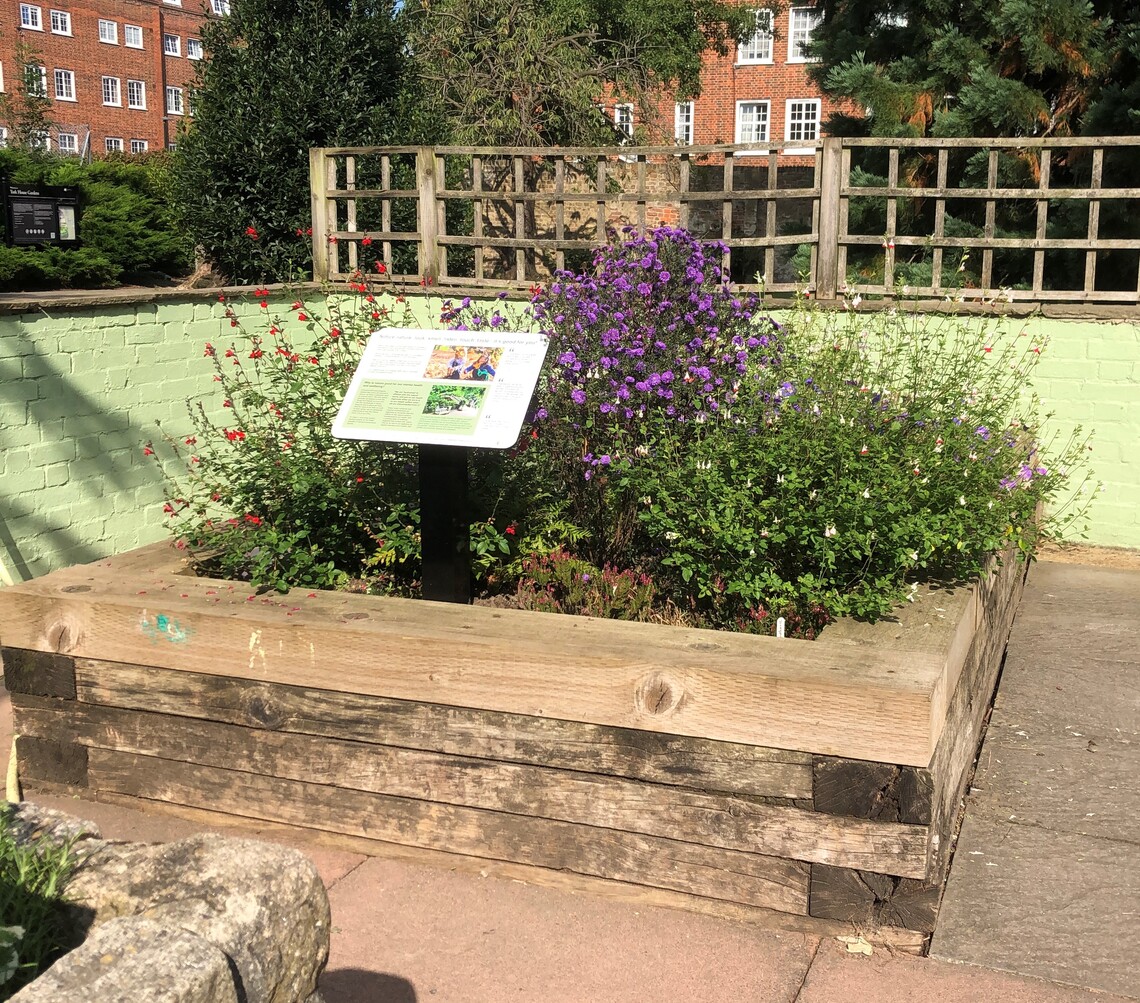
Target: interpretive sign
{"x":446,"y":388}
{"x":41,"y":214}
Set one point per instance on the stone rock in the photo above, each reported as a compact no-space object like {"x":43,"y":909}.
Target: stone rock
{"x":264,"y":906}
{"x":28,"y":821}
{"x":135,"y":960}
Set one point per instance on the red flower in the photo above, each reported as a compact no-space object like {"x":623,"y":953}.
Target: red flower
{"x":168,"y":508}
{"x":510,"y":530}
{"x":359,"y":479}
{"x":227,"y":403}
{"x":332,"y":240}
{"x":313,"y":360}
{"x":192,"y":440}
{"x":366,"y":242}
{"x":194,"y":459}
{"x":296,"y":305}
{"x":302,"y":316}
{"x":256,"y":353}
{"x":147,"y":451}
{"x":230,"y":353}
{"x":264,"y":304}
{"x":261,"y":293}
{"x":209,"y":350}
{"x":254,"y":520}
{"x":375,"y":315}
{"x":379,"y":266}
{"x":251,"y":233}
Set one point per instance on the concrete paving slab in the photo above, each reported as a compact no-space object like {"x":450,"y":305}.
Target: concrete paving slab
{"x":117,"y":822}
{"x":1049,"y":904}
{"x":1077,"y":782}
{"x":422,"y":933}
{"x":896,"y":978}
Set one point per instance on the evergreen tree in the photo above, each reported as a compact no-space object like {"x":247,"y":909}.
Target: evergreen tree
{"x":973,"y":68}
{"x":282,"y":76}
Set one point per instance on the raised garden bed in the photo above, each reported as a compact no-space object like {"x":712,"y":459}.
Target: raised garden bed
{"x":808,"y":785}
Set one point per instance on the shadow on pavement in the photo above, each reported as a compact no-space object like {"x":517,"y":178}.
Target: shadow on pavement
{"x":354,"y":985}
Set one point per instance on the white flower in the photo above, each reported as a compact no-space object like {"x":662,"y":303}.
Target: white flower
{"x":751,"y":553}
{"x":914,"y":553}
{"x":779,"y":478}
{"x":913,"y":592}
{"x":961,"y":499}
{"x":811,"y":494}
{"x":670,"y":536}
{"x":642,"y":450}
{"x":830,"y":531}
{"x":866,"y":492}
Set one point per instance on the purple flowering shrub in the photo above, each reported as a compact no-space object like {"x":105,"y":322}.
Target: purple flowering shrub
{"x":650,"y":349}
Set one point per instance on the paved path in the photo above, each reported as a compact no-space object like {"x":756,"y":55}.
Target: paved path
{"x":404,"y":933}
{"x":1046,"y":875}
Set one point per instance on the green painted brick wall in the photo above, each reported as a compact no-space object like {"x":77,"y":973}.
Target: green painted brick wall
{"x":82,"y":389}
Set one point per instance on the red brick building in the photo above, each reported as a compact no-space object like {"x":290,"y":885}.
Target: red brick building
{"x":116,"y":73}
{"x":757,"y":92}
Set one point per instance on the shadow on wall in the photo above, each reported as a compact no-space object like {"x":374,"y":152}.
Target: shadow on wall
{"x":354,"y":985}
{"x":69,"y":452}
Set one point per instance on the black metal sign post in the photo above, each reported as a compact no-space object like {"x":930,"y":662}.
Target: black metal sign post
{"x":445,"y":544}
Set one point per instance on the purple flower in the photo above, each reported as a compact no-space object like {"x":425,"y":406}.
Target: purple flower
{"x":578,"y":396}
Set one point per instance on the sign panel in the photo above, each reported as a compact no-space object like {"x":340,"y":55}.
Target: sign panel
{"x":449,"y":388}
{"x":41,"y":214}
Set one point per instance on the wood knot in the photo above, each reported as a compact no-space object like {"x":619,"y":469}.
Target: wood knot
{"x":657,"y":695}
{"x":76,"y":588}
{"x":357,"y":616}
{"x":63,"y":637}
{"x":263,"y":711}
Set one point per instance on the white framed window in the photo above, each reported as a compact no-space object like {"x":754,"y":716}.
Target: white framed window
{"x":758,"y":47}
{"x":111,"y":92}
{"x":31,"y":17}
{"x":65,"y":85}
{"x":60,"y":22}
{"x":173,"y":3}
{"x":172,"y":147}
{"x":752,"y":121}
{"x":136,"y":94}
{"x":193,"y":48}
{"x":174,"y":105}
{"x":113,"y":144}
{"x":1,"y":78}
{"x":132,"y":36}
{"x":138,"y":146}
{"x":801,"y":124}
{"x":35,"y":80}
{"x":3,"y":136}
{"x":220,"y":7}
{"x":683,"y":123}
{"x":67,"y":142}
{"x":801,"y":23}
{"x":623,"y":119}
{"x":109,"y":32}
{"x":172,"y":45}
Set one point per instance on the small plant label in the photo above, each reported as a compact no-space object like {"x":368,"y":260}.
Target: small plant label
{"x":447,"y":388}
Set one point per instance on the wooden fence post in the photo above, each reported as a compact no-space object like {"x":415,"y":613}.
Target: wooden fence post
{"x":830,"y":183}
{"x":427,"y":213}
{"x":318,"y":206}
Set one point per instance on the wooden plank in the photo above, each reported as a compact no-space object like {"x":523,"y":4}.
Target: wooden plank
{"x":991,"y":216}
{"x":939,"y":220}
{"x":302,"y":834}
{"x":514,"y":738}
{"x":49,"y":759}
{"x":1094,"y":219}
{"x":560,"y":210}
{"x":854,"y":701}
{"x":726,"y":212}
{"x":834,"y":171}
{"x":880,"y":791}
{"x":966,"y":712}
{"x":868,"y":899}
{"x":892,"y":217}
{"x":38,"y":673}
{"x":318,"y":213}
{"x":621,"y":856}
{"x":732,"y":823}
{"x":520,"y":220}
{"x":1042,"y":223}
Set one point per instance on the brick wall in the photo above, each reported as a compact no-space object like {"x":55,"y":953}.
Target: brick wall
{"x":90,"y":60}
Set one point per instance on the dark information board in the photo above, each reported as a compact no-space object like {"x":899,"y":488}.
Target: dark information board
{"x":41,"y":214}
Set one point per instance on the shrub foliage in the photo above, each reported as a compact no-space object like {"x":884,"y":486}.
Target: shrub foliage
{"x":687,"y":458}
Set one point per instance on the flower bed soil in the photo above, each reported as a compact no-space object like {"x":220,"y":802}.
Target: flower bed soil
{"x":807,"y":785}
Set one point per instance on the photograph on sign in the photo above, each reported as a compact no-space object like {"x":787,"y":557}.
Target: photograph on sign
{"x":458,"y":388}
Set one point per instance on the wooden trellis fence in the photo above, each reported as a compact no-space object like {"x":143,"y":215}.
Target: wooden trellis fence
{"x":1044,"y":220}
